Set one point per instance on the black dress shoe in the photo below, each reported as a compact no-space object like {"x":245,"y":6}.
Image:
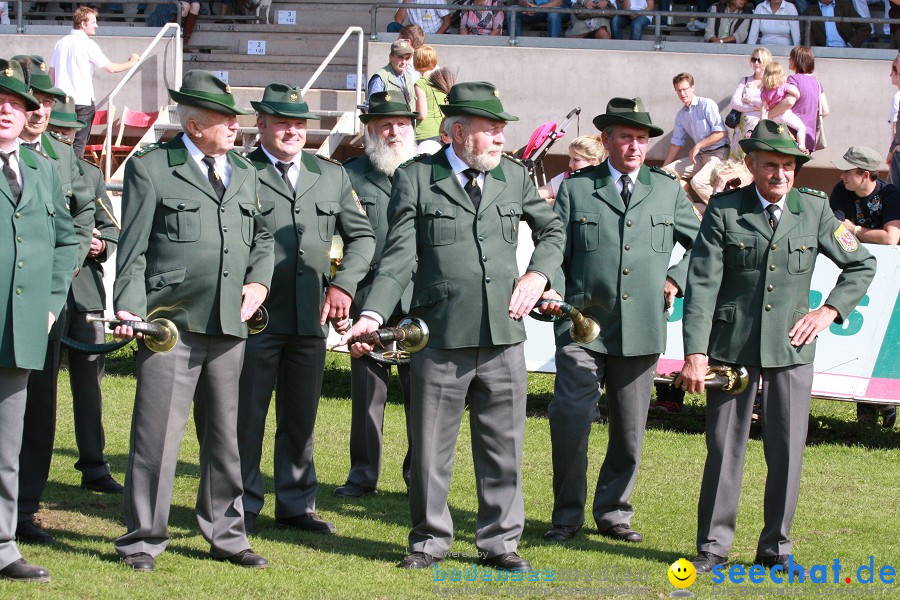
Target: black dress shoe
{"x":28,"y":532}
{"x":353,"y":490}
{"x":306,"y":522}
{"x":140,"y":562}
{"x":888,"y":416}
{"x":25,"y":572}
{"x":105,"y":484}
{"x":782,"y":561}
{"x":246,"y":558}
{"x":705,"y":561}
{"x":418,"y":560}
{"x":562,"y":533}
{"x":250,"y":523}
{"x":623,"y":533}
{"x":508,"y":561}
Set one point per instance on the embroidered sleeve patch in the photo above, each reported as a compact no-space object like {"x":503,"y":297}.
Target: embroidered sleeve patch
{"x":359,"y":205}
{"x":846,"y":239}
{"x":697,"y":212}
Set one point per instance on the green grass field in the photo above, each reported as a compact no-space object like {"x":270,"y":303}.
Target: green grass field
{"x":849,"y":510}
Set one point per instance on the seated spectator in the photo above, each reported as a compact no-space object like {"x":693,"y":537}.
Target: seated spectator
{"x":580,"y":26}
{"x":835,"y":35}
{"x":166,"y":13}
{"x":775,"y":88}
{"x":554,"y":20}
{"x":584,"y":151}
{"x":728,"y":30}
{"x":431,"y":20}
{"x":870,"y":208}
{"x":894,"y":173}
{"x":4,"y":13}
{"x":636,"y":22}
{"x":393,"y":77}
{"x":774,"y":32}
{"x":431,"y":91}
{"x":482,"y":21}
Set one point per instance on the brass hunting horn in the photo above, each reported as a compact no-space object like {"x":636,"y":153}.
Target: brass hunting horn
{"x":731,"y":380}
{"x":585,"y":329}
{"x":160,"y":335}
{"x":410,"y":334}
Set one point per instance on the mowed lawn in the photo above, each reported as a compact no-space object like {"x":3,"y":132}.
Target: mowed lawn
{"x":849,"y":510}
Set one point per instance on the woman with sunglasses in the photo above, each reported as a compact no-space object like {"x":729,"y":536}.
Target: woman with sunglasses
{"x":746,"y":98}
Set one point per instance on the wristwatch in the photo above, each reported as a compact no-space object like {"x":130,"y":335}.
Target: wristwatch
{"x":856,"y":230}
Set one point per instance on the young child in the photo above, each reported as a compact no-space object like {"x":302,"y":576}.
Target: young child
{"x":774,"y":89}
{"x":584,"y":151}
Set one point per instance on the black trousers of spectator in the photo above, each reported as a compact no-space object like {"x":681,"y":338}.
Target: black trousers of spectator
{"x":84,"y":113}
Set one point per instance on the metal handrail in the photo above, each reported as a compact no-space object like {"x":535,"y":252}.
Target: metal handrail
{"x":359,"y":65}
{"x":175,"y":28}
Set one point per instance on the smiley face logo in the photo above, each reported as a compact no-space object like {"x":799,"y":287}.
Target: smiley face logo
{"x":682,"y":573}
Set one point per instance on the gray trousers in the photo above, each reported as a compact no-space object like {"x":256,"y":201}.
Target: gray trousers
{"x":580,"y":377}
{"x":293,"y":366}
{"x":785,"y":418}
{"x":85,"y":113}
{"x":13,"y":384}
{"x":368,"y":392}
{"x":202,"y":370}
{"x":493,"y":381}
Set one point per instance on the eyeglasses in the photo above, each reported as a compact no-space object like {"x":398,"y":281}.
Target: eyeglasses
{"x":756,"y":60}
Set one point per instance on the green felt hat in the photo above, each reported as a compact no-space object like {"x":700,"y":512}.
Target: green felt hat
{"x":283,"y":100}
{"x":382,"y":104}
{"x":12,"y":79}
{"x":63,"y":114}
{"x":204,"y":90}
{"x":476,"y":99}
{"x":770,"y":136}
{"x":39,"y":78}
{"x":859,"y":157}
{"x":627,"y":111}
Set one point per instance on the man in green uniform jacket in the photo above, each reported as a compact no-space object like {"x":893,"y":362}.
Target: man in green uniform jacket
{"x":622,"y":222}
{"x":38,"y":249}
{"x":747,"y":303}
{"x":458,"y":211}
{"x":194,"y":250}
{"x":305,"y":201}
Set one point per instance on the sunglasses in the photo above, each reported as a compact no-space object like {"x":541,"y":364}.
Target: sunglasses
{"x":756,"y":60}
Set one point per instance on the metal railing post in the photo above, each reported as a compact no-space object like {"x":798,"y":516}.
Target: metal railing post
{"x":20,"y":17}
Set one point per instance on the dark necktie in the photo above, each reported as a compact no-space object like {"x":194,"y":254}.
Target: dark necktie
{"x":284,"y":168}
{"x":10,"y":175}
{"x":472,"y":188}
{"x":625,"y":180}
{"x":36,"y":146}
{"x":213,"y":176}
{"x":773,"y":220}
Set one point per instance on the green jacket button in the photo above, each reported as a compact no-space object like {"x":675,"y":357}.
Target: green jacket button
{"x":225,"y":273}
{"x":480,"y":238}
{"x":771,"y":287}
{"x":624,"y":296}
{"x":774,"y":246}
{"x":18,"y":215}
{"x":181,"y":206}
{"x":741,"y":245}
{"x":768,"y":307}
{"x":584,"y":219}
{"x":222,"y":209}
{"x":18,"y":291}
{"x":487,"y":279}
{"x":627,"y":247}
{"x":771,"y":267}
{"x":225,"y":228}
{"x":484,"y":259}
{"x":439,"y":213}
{"x":225,"y":250}
{"x":626,"y":271}
{"x":21,"y":264}
{"x":628,"y":223}
{"x":20,"y":239}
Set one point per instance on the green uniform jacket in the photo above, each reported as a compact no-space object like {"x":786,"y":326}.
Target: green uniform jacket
{"x":87,"y":285}
{"x":38,"y":250}
{"x":182,"y":254}
{"x":303,"y":223}
{"x":374,"y":190}
{"x":747,"y":286}
{"x":466,"y":258}
{"x":394,"y":88}
{"x":78,"y":192}
{"x":616,"y":261}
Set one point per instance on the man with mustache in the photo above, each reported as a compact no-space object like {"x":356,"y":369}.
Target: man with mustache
{"x":622,"y":222}
{"x":305,"y":200}
{"x":747,"y":303}
{"x":455,"y":217}
{"x":390,"y":141}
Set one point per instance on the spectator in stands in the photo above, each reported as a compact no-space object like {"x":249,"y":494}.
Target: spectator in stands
{"x":482,"y":21}
{"x":700,"y":120}
{"x":894,"y":173}
{"x":167,"y":13}
{"x":72,"y":68}
{"x":597,"y":27}
{"x":772,"y":32}
{"x":413,"y":33}
{"x":584,"y":151}
{"x":431,"y":20}
{"x":4,"y":13}
{"x":394,"y":77}
{"x":776,"y":88}
{"x":895,"y":105}
{"x":554,"y":20}
{"x":636,"y":21}
{"x":835,"y":35}
{"x":746,"y":98}
{"x":431,"y":91}
{"x":728,"y":30}
{"x":812,"y":98}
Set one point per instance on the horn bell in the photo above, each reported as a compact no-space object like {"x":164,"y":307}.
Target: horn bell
{"x":415,"y":335}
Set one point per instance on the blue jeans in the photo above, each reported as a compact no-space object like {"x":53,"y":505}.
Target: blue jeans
{"x":554,"y":21}
{"x":637,"y":24}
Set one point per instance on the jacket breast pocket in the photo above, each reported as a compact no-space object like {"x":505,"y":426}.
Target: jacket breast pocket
{"x":438,"y":224}
{"x":267,"y":211}
{"x":248,"y":221}
{"x":370,"y":205}
{"x":740,"y":251}
{"x":167,"y":278}
{"x":182,"y":217}
{"x":585,"y":230}
{"x":662,"y":232}
{"x":510,"y":215}
{"x":801,"y":254}
{"x":326,"y":213}
{"x":51,"y":222}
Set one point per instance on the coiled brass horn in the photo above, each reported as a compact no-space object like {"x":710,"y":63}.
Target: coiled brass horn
{"x":731,"y":380}
{"x":584,"y":330}
{"x":160,"y":335}
{"x":259,"y":320}
{"x":410,"y":334}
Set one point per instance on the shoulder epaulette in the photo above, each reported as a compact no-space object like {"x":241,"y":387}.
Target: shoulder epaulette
{"x":35,"y":152}
{"x":147,"y":149}
{"x":60,"y":137}
{"x":415,"y":158}
{"x":582,"y":171}
{"x":328,"y":159}
{"x":661,"y":171}
{"x":513,"y":158}
{"x":813,"y":192}
{"x":724,"y":192}
{"x":239,"y":154}
{"x":351,"y":159}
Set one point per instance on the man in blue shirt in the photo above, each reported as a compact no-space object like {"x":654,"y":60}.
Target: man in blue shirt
{"x":835,"y":35}
{"x":394,"y":78}
{"x":699,"y":120}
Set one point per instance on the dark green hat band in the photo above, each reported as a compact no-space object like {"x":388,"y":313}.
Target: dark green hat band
{"x":381,"y":104}
{"x":64,"y":119}
{"x":12,"y":80}
{"x":204,"y":90}
{"x":285,"y":109}
{"x":477,"y":99}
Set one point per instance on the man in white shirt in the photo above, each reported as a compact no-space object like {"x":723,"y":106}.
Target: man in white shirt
{"x":72,"y":69}
{"x":431,"y":20}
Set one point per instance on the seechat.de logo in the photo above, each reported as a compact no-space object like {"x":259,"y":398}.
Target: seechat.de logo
{"x":794,"y":573}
